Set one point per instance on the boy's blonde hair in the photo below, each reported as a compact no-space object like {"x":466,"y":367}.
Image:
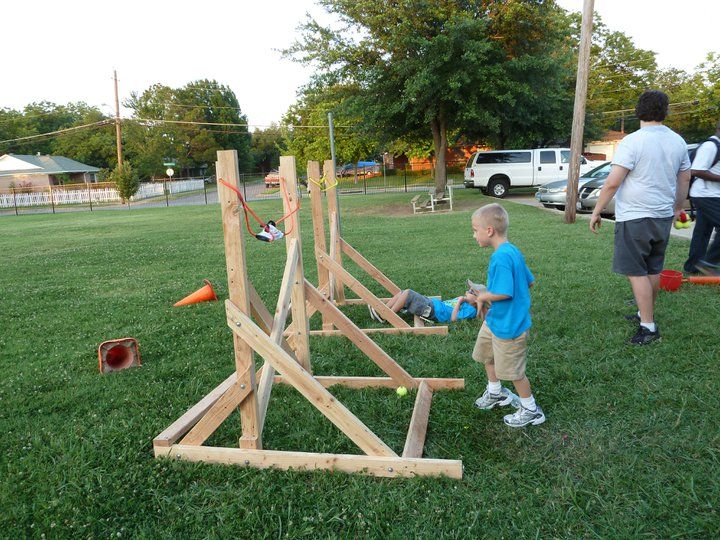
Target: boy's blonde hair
{"x":493,"y":215}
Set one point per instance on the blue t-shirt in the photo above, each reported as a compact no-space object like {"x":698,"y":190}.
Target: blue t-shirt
{"x":509,"y":275}
{"x":443,"y":310}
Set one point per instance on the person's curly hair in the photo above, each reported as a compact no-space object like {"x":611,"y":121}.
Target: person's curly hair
{"x":652,"y":106}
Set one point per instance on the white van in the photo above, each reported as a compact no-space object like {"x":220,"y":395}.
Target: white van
{"x":500,"y":170}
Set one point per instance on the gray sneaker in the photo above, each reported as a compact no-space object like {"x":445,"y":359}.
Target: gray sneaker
{"x":522,"y":417}
{"x":489,"y":401}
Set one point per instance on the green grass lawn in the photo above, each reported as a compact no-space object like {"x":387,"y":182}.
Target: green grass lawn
{"x":631,"y":445}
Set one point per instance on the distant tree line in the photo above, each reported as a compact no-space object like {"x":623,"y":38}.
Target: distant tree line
{"x":401,"y":77}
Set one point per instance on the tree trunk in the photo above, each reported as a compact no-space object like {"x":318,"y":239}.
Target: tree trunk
{"x":439,"y":131}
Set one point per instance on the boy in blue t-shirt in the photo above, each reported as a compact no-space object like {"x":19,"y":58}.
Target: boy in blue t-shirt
{"x":502,"y":341}
{"x":457,"y":309}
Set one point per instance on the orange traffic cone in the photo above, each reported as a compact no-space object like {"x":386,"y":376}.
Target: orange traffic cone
{"x":118,"y":354}
{"x":203,"y":294}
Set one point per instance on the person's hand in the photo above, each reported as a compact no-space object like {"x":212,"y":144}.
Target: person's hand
{"x":595,"y":222}
{"x":676,"y":216}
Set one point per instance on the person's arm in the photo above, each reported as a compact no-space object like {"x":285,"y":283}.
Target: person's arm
{"x":706,"y":175}
{"x":681,"y":191}
{"x":490,"y":297}
{"x":612,"y":184}
{"x":456,"y":309}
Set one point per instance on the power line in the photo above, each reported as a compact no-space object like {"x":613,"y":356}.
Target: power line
{"x":58,"y":132}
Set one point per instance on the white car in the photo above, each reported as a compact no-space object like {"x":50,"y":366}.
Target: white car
{"x":498,"y":171}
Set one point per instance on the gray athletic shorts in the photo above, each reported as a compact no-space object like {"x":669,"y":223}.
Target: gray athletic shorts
{"x":419,"y":305}
{"x":640,"y":246}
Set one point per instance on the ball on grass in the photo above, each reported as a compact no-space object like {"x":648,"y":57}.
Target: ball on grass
{"x":401,"y":391}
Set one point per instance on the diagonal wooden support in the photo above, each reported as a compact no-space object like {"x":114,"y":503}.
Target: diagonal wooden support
{"x":358,"y":337}
{"x":419,"y":422}
{"x":370,"y":268}
{"x":358,"y":288}
{"x":264,"y":319}
{"x":278,"y":325}
{"x":182,"y":425}
{"x":303,"y":382}
{"x":217,"y":414}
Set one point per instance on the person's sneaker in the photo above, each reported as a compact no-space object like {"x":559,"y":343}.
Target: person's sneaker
{"x":707,"y":268}
{"x":644,"y":336}
{"x":374,"y":315}
{"x":635,"y":318}
{"x":522,"y":417}
{"x":489,"y":401}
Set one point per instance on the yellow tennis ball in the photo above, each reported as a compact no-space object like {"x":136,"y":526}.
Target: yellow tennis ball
{"x":401,"y":391}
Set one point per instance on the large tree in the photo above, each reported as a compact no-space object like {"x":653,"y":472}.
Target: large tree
{"x":437,"y":68}
{"x":193,"y":144}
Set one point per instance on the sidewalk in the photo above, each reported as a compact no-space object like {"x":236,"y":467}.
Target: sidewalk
{"x":530,"y":200}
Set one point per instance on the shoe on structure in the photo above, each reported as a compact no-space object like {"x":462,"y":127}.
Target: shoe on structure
{"x":522,"y":417}
{"x":489,"y":401}
{"x":644,"y":336}
{"x":374,"y":315}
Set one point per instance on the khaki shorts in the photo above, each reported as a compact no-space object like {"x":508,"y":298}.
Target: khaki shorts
{"x":508,"y":355}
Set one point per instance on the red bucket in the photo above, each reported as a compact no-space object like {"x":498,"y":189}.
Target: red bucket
{"x":670,"y":280}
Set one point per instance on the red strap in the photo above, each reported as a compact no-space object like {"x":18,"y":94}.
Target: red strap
{"x":247,"y":209}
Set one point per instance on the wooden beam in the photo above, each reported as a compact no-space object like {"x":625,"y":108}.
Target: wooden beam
{"x":371,"y":349}
{"x":336,"y":255}
{"x":360,"y":301}
{"x":264,"y":319}
{"x":304,"y":383}
{"x":278,"y":325}
{"x":235,"y":263}
{"x":416,"y":330}
{"x":291,"y":201}
{"x":182,"y":425}
{"x":363,"y":292}
{"x":316,"y":195}
{"x":379,"y":382}
{"x":217,"y":414}
{"x":419,"y":422}
{"x":370,"y":268}
{"x":389,"y":467}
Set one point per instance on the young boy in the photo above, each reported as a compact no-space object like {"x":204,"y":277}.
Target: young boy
{"x":502,"y":341}
{"x":432,"y":309}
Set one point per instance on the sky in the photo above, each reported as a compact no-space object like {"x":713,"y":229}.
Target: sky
{"x":66,"y":51}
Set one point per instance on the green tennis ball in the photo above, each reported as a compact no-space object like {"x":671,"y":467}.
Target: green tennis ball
{"x":401,"y":391}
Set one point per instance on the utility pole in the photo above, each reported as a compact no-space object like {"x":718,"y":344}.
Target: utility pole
{"x":331,"y":129}
{"x":118,"y":135}
{"x":578,"y":125}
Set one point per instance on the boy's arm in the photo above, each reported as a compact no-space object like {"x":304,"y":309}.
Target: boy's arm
{"x":456,"y":309}
{"x":490,"y":297}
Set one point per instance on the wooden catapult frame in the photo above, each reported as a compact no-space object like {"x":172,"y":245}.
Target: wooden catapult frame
{"x":333,"y":277}
{"x":287,"y":361}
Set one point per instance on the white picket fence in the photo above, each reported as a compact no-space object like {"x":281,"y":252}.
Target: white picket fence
{"x":106,"y":195}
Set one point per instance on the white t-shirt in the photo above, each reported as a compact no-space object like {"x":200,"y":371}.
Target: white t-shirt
{"x":654,"y":155}
{"x":703,"y":159}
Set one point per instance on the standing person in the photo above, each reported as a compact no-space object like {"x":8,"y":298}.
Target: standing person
{"x":705,"y":195}
{"x":650,"y":174}
{"x":501,"y":344}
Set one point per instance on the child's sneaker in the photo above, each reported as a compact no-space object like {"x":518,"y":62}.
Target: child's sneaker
{"x":374,"y":315}
{"x":643,"y":336}
{"x":522,"y":417}
{"x":489,"y":401}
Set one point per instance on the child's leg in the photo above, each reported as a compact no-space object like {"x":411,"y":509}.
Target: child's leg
{"x":522,"y":387}
{"x":397,"y":302}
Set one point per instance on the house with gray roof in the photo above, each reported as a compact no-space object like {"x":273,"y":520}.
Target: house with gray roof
{"x":18,"y":170}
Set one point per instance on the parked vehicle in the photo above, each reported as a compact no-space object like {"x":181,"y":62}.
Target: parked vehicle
{"x":553,"y":194}
{"x":272,"y":179}
{"x":364,"y":168}
{"x":498,"y":171}
{"x":588,"y":195}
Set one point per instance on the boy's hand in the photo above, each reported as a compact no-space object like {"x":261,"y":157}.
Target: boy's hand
{"x":595,"y":222}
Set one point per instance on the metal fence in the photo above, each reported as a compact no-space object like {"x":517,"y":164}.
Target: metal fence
{"x":201,"y":191}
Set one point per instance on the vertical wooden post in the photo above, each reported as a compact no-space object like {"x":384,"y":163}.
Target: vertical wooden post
{"x":52,"y":199}
{"x":578,"y":125}
{"x":227,"y":169}
{"x":316,"y":194}
{"x":301,"y":323}
{"x":338,"y":289}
